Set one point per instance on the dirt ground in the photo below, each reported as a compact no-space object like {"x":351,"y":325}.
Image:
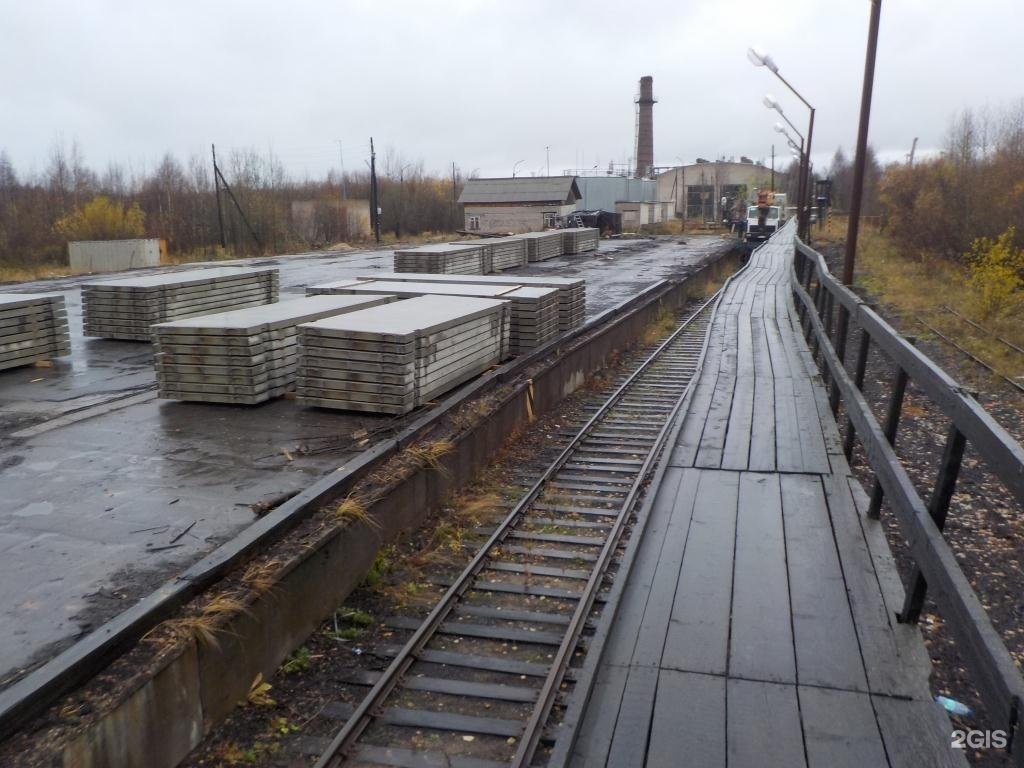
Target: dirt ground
{"x":984,"y":527}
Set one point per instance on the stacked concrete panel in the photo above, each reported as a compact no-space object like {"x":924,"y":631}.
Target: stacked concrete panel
{"x":442,"y":258}
{"x":501,"y":253}
{"x":245,"y":356}
{"x":33,"y":327}
{"x":126,"y":308}
{"x":534,"y":317}
{"x":572,"y":292}
{"x":394,"y":358}
{"x":579,"y":239}
{"x":541,"y":246}
{"x":534,"y":309}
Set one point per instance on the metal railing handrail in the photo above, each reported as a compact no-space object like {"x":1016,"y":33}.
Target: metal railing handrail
{"x":819,"y":295}
{"x":1000,"y":450}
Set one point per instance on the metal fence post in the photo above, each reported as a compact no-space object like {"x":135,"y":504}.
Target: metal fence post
{"x":938,"y":506}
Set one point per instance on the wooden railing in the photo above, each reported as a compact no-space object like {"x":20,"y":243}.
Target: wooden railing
{"x":829,"y":312}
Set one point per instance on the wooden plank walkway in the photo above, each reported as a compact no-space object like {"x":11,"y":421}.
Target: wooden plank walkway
{"x":757,"y":624}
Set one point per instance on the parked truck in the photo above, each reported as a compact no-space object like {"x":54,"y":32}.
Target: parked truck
{"x":765,"y":216}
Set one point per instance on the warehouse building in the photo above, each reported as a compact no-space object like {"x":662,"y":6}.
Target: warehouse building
{"x":519,"y":205}
{"x":697,"y":190}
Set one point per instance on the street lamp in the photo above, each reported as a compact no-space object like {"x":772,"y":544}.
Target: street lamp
{"x":518,"y":163}
{"x":761,"y":59}
{"x":801,"y":188}
{"x":798,"y":155}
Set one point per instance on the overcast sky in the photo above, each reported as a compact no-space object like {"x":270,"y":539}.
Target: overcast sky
{"x":484,"y":84}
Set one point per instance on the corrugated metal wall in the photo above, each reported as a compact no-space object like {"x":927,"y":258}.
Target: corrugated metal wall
{"x":603,"y":192}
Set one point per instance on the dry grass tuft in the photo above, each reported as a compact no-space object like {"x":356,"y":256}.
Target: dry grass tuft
{"x":20,"y":274}
{"x":662,"y":325}
{"x":430,"y":454}
{"x":354,"y":509}
{"x":209,"y":622}
{"x":262,"y":576}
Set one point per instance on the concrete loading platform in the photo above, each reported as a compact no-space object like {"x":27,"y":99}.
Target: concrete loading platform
{"x":99,"y":474}
{"x":757,"y":625}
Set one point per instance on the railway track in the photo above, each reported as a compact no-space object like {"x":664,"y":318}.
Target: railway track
{"x":478,"y":682}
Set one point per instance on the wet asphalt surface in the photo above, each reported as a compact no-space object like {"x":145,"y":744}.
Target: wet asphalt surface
{"x":107,"y":490}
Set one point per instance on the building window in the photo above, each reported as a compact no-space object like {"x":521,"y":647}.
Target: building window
{"x":473,"y":222}
{"x":550,"y":219}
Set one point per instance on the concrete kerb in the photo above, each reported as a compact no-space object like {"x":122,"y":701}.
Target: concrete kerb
{"x":211,"y":680}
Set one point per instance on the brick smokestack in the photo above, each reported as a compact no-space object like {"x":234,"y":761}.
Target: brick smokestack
{"x":645,"y":128}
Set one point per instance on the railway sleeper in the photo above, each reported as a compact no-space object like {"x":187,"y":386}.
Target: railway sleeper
{"x":565,"y":522}
{"x":476,"y":661}
{"x":484,"y":631}
{"x":415,"y":682}
{"x":538,"y":570}
{"x":572,"y":510}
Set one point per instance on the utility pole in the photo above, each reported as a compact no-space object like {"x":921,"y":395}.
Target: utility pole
{"x":374,"y":196}
{"x":547,"y":150}
{"x":238,"y":206}
{"x":859,"y":162}
{"x":773,"y":169}
{"x":216,"y":192}
{"x":857,"y":193}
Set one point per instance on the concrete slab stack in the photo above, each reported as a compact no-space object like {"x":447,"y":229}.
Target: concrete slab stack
{"x":541,"y":246}
{"x":394,"y":358}
{"x":244,"y":356}
{"x":500,"y":253}
{"x":534,"y":317}
{"x":33,"y":327}
{"x":572,"y":292}
{"x":534,"y":309}
{"x":579,"y":239}
{"x":442,"y":258}
{"x":126,"y":308}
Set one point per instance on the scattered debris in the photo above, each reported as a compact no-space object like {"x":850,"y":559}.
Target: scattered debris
{"x":954,"y":707}
{"x":187,"y":528}
{"x":260,"y":508}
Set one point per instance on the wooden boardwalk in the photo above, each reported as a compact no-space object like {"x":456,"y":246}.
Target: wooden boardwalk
{"x":757,"y":624}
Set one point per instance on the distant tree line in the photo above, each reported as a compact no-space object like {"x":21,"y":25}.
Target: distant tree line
{"x":68,"y":200}
{"x":940,"y":205}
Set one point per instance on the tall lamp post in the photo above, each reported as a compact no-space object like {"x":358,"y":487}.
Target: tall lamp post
{"x":514,"y":167}
{"x":804,"y":161}
{"x":761,"y":59}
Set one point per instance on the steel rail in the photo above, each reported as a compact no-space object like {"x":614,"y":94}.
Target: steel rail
{"x":985,"y":330}
{"x":546,"y":699}
{"x":391,"y":677}
{"x":964,"y":351}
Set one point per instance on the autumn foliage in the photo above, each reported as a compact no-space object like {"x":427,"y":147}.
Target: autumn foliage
{"x":175,"y":200}
{"x":102,"y":219}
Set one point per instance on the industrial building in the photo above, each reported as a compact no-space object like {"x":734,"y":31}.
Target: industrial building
{"x":518,"y":205}
{"x":697,"y":189}
{"x":635,"y":200}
